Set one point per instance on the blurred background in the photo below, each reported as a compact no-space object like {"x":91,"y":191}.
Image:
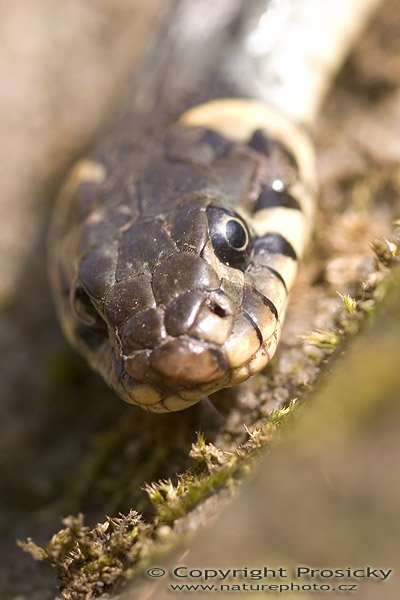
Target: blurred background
{"x":65,"y":71}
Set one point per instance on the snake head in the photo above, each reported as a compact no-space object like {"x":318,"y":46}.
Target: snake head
{"x":181,"y":317}
{"x":168,"y":278}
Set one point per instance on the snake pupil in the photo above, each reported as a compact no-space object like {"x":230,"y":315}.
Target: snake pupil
{"x":236,"y":235}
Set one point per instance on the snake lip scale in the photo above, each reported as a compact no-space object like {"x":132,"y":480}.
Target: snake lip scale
{"x":171,"y":278}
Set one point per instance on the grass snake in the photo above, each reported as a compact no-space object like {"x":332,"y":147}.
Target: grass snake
{"x":171,"y":265}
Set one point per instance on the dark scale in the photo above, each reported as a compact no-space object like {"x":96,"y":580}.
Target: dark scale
{"x":86,"y":310}
{"x":265,"y":145}
{"x":188,"y":225}
{"x":195,"y":144}
{"x":179,"y":273}
{"x":141,"y":248}
{"x":273,"y":243}
{"x":270,"y":198}
{"x":143,"y":330}
{"x":188,"y":150}
{"x":275,"y":164}
{"x":97,"y":271}
{"x":105,"y":229}
{"x":86,"y":198}
{"x":129,"y":297}
{"x":169,"y":181}
{"x":92,"y":338}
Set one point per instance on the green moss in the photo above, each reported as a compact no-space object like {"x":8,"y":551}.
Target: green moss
{"x":212,"y":469}
{"x":83,"y":557}
{"x":326,"y":339}
{"x":120,"y":547}
{"x":283,"y":416}
{"x":356,"y":313}
{"x":349,"y":303}
{"x":386,"y":251}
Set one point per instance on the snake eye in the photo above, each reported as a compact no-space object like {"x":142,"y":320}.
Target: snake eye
{"x":236,"y":235}
{"x":85,"y":310}
{"x":229,"y":236}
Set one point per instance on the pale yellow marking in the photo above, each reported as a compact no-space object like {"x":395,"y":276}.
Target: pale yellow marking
{"x":264,"y":355}
{"x":190,"y":395}
{"x":174,"y":403}
{"x":85,"y":170}
{"x":287,"y":267}
{"x":259,"y":361}
{"x":145,"y":395}
{"x":242,"y":343}
{"x":266,"y":321}
{"x":194,"y":395}
{"x":88,"y":170}
{"x":223,"y":271}
{"x":288,"y":222}
{"x":266,"y":283}
{"x":243,"y":373}
{"x":237,"y":119}
{"x":239,"y":375}
{"x":154,"y":408}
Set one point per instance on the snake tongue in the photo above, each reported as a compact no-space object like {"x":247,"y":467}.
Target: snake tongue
{"x":188,"y":362}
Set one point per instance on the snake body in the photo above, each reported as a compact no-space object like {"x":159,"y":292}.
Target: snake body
{"x":171,"y":267}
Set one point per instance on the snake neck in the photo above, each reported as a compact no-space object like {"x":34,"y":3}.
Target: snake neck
{"x":288,"y":51}
{"x":282,"y":52}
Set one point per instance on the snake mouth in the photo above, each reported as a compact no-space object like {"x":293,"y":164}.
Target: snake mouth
{"x":172,"y":376}
{"x":180,"y":371}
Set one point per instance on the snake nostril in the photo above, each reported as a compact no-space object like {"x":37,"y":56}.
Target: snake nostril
{"x":217,"y":309}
